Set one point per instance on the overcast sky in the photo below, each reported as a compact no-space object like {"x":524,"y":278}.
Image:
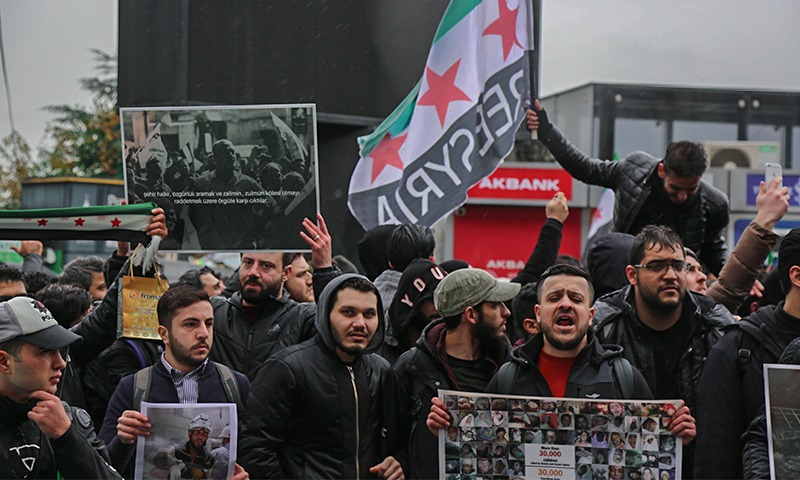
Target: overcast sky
{"x":708,"y":43}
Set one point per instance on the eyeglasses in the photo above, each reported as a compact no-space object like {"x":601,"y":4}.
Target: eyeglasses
{"x":661,"y":267}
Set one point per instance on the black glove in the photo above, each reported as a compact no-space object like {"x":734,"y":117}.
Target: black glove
{"x":545,"y":127}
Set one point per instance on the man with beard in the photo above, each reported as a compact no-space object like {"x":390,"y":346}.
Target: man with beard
{"x":565,"y":359}
{"x":183,"y":375}
{"x":665,"y":330}
{"x":326,"y":408}
{"x":260,"y":319}
{"x":647,"y":190}
{"x":461,"y":351}
{"x":193,"y":459}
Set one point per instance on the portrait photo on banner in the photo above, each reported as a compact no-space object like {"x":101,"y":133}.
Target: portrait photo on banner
{"x":230,"y":178}
{"x":514,"y":437}
{"x":188,"y":441}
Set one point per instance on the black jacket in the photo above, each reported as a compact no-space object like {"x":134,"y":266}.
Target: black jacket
{"x":755,"y":454}
{"x":102,"y":375}
{"x":242,"y":345}
{"x":702,"y":223}
{"x":98,"y":330}
{"x":591,"y":376}
{"x":422,"y":371}
{"x":310,"y":415}
{"x":77,"y":454}
{"x":615,"y":322}
{"x":731,"y":393}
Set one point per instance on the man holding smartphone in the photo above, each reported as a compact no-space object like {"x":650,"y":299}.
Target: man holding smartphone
{"x":648,"y":190}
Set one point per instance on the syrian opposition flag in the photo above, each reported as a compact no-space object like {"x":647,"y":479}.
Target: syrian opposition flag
{"x":117,"y":222}
{"x":456,"y":125}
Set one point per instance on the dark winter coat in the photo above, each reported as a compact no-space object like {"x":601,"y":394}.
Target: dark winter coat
{"x":755,"y":454}
{"x":591,"y":376}
{"x":243,"y":345}
{"x":310,"y":415}
{"x":615,"y":322}
{"x":731,"y":393}
{"x":79,"y":453}
{"x":702,"y":222}
{"x":422,"y":371}
{"x":162,"y":390}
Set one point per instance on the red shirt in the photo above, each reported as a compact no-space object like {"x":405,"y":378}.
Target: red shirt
{"x":556,"y":371}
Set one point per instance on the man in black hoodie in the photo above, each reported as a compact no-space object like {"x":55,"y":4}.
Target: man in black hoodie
{"x":412,"y":308}
{"x":326,"y":408}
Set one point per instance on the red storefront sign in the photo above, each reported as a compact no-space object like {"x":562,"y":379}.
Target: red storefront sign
{"x":499,"y":239}
{"x":514,"y":183}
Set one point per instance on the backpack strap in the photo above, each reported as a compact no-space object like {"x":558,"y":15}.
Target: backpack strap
{"x":230,"y":384}
{"x":623,"y":374}
{"x":141,"y":387}
{"x":505,"y":377}
{"x":750,"y":339}
{"x":138,"y":352}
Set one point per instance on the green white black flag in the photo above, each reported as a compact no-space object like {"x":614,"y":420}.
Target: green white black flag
{"x":112,"y":222}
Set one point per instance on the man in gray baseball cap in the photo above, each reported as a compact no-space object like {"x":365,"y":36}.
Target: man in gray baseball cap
{"x":39,"y":434}
{"x":462,"y":351}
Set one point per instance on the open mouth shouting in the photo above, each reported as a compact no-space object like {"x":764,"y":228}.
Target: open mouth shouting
{"x":564,"y":322}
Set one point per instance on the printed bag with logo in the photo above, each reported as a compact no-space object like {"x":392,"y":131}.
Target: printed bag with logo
{"x":138,"y":297}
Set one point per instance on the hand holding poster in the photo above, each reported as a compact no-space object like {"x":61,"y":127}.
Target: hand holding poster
{"x":508,"y":436}
{"x":188,"y":441}
{"x":229,"y":178}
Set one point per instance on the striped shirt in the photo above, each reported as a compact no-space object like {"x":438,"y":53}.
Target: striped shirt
{"x":187,"y":384}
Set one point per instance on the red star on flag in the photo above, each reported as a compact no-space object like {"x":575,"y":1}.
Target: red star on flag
{"x":442,"y":90}
{"x":116,"y":222}
{"x":42,"y":223}
{"x":79,"y":222}
{"x":506,"y":27}
{"x":387,"y":153}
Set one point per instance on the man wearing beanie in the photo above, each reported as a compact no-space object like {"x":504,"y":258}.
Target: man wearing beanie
{"x":412,"y":308}
{"x":462,"y":351}
{"x":41,"y":436}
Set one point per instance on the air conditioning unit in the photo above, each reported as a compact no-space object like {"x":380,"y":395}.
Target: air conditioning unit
{"x":731,"y":155}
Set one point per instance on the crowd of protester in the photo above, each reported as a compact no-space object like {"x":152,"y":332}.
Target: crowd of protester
{"x":336,"y":373}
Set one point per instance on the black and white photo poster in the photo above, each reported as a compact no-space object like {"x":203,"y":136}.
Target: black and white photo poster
{"x":782,"y":387}
{"x":513,"y":437}
{"x":230,"y":178}
{"x":188,"y":441}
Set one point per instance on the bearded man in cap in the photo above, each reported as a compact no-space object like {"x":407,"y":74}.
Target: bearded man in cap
{"x":41,"y":436}
{"x":461,"y":351}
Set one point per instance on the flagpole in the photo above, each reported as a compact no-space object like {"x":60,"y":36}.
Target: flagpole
{"x":534,"y":30}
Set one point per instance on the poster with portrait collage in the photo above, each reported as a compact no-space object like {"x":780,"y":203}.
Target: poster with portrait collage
{"x":512,"y":437}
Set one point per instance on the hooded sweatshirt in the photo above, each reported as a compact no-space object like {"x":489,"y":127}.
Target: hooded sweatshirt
{"x":417,"y":284}
{"x":311,"y":415}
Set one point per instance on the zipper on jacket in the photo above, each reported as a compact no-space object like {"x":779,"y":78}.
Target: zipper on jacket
{"x":358,"y":427}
